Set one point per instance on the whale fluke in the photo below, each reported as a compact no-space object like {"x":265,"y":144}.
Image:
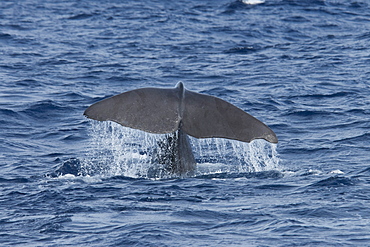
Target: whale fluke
{"x":163,"y":110}
{"x":178,"y":112}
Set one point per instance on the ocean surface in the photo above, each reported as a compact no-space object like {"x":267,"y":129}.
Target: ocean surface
{"x":302,"y":67}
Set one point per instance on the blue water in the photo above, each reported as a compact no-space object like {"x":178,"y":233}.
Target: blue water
{"x":302,"y":67}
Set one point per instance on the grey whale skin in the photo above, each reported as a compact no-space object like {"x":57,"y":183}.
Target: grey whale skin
{"x":179,"y":113}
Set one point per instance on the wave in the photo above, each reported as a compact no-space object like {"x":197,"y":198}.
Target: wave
{"x":335,"y":181}
{"x":362,"y":138}
{"x":5,"y":36}
{"x":45,"y":109}
{"x":7,"y":113}
{"x":322,"y":96}
{"x":82,"y":16}
{"x":310,"y":114}
{"x":14,"y":180}
{"x":245,"y":49}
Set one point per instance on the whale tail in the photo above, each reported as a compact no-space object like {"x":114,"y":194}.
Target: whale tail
{"x":165,"y":110}
{"x":180,"y":112}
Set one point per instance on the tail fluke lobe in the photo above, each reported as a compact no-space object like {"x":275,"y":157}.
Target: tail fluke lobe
{"x":152,"y":110}
{"x":161,"y":111}
{"x":206,"y":116}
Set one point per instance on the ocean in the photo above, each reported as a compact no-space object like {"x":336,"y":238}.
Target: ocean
{"x":302,"y":67}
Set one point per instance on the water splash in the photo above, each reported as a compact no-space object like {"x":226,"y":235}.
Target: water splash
{"x":252,"y":2}
{"x":228,"y":156}
{"x":119,"y":151}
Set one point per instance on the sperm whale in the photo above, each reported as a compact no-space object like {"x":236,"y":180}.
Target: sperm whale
{"x":179,"y":112}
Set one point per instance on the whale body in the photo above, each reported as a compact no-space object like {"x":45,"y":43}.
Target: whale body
{"x":179,"y":112}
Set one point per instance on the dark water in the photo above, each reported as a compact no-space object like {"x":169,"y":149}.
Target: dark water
{"x":302,"y":67}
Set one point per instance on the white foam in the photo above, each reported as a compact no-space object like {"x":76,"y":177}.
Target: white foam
{"x":337,"y":172}
{"x":253,"y":2}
